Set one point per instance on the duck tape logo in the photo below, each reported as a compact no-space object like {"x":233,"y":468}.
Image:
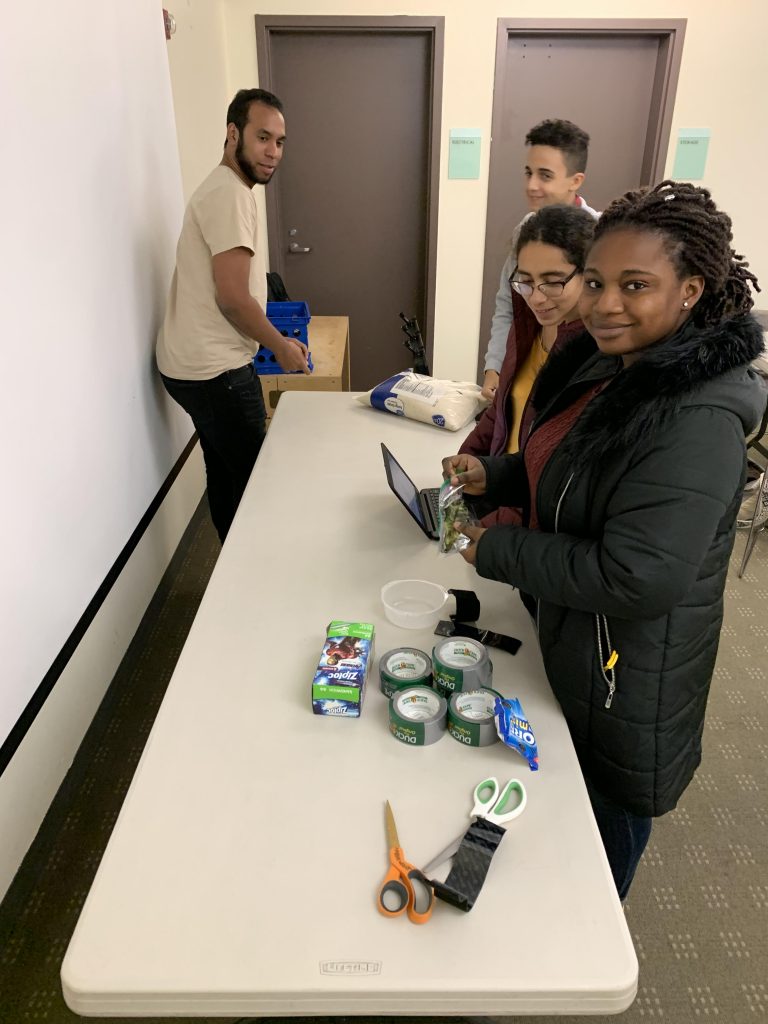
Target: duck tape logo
{"x":350,"y":967}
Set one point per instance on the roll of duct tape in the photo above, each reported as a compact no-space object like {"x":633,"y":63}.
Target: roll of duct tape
{"x":403,"y":667}
{"x":460,"y":664}
{"x":471,"y":717}
{"x":417,"y":716}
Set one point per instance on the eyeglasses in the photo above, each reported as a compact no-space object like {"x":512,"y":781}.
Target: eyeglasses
{"x":552,"y":289}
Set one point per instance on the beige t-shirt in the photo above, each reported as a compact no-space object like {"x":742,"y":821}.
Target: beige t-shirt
{"x":196,"y":341}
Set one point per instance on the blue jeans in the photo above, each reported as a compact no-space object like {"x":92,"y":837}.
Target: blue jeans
{"x":625,"y":835}
{"x":229,"y":416}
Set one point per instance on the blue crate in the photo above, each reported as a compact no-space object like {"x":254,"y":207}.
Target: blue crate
{"x":291,"y":319}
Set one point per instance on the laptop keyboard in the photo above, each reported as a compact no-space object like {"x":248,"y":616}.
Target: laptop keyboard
{"x":433,"y":500}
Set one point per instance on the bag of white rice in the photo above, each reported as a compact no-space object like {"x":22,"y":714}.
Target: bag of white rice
{"x":450,"y":404}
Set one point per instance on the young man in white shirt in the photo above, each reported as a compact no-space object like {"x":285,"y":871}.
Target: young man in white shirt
{"x":216,"y":314}
{"x":554,"y":172}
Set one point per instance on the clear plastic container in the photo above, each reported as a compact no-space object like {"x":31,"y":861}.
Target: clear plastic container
{"x":413,"y":604}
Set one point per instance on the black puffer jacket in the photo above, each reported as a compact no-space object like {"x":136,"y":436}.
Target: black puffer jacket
{"x":636,"y":511}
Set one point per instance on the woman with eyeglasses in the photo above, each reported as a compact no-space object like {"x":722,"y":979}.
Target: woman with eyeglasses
{"x":630,"y":479}
{"x":546,"y":284}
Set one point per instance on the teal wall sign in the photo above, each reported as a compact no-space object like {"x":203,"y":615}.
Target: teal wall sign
{"x":464,"y":153}
{"x":691,"y":154}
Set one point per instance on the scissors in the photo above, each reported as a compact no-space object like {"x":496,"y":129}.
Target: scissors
{"x":404,"y":887}
{"x":491,"y":805}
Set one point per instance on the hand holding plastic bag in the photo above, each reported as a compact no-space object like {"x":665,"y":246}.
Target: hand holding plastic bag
{"x":453,"y":510}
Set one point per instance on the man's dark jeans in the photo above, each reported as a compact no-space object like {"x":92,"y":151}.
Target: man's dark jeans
{"x":625,"y":836}
{"x":229,"y":416}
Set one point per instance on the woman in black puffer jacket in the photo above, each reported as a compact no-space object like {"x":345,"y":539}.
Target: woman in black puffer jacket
{"x":631,"y":479}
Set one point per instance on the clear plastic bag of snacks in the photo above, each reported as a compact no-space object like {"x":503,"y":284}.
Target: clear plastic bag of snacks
{"x":453,"y":510}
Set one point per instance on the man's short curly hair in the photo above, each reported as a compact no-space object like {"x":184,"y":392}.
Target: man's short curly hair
{"x":572,"y":141}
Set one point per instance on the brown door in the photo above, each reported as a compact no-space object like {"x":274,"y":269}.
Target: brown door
{"x":350,"y":224}
{"x":612,"y":86}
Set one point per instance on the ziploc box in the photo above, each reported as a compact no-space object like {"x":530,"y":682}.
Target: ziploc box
{"x":339,"y":683}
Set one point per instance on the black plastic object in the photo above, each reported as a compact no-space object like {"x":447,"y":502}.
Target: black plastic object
{"x":447,"y":627}
{"x":414,"y":343}
{"x":467,"y":606}
{"x":276,"y":289}
{"x":470,"y":865}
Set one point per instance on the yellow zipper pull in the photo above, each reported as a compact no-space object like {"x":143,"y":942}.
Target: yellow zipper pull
{"x":611,"y":661}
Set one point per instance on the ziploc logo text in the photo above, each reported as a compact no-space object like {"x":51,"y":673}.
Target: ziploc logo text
{"x":342,"y":675}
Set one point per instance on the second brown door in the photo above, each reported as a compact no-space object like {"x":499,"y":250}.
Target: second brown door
{"x":609,"y":85}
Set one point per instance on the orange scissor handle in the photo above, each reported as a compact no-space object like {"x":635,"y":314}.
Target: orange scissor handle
{"x":405,"y":888}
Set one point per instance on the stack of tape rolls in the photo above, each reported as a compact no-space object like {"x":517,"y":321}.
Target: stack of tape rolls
{"x":417,"y":716}
{"x":402,"y":667}
{"x":460,"y":664}
{"x":471,"y":717}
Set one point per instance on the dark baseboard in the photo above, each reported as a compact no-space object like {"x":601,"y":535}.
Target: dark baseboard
{"x":30,"y":712}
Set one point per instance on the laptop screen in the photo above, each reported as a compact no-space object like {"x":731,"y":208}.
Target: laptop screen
{"x":403,"y":486}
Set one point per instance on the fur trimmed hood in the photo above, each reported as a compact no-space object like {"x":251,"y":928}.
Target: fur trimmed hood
{"x":696,"y":366}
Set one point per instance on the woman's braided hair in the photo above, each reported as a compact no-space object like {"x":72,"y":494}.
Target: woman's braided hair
{"x":697,"y":239}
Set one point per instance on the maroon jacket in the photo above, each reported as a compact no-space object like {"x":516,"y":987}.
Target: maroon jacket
{"x":491,"y":432}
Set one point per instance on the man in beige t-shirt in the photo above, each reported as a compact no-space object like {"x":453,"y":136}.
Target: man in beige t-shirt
{"x":215,"y":318}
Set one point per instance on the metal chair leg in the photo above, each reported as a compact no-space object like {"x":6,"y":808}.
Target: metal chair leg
{"x":759,"y":520}
{"x":748,"y":550}
{"x":758,"y":437}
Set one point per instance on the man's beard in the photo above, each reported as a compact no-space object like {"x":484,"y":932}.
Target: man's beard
{"x":247,"y":168}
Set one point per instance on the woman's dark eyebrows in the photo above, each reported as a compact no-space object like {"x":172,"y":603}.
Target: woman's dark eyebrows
{"x":623,"y":273}
{"x":545,"y":273}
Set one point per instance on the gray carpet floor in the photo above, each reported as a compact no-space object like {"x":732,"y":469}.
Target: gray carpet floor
{"x":698,"y":910}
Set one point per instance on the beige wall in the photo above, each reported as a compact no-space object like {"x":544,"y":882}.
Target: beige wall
{"x":723,"y":78}
{"x":199,"y":80}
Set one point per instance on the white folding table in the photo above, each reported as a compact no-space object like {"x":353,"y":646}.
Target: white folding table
{"x":242,"y":873}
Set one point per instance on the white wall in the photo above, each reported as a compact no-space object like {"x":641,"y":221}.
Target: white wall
{"x":38,"y":767}
{"x":723,"y":80}
{"x":92,"y":209}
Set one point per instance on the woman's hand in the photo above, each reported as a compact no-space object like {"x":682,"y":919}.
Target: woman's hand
{"x":466,"y":470}
{"x":469,"y":554}
{"x":490,"y":385}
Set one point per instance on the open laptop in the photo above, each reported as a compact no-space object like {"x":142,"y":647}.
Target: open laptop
{"x":422,"y":505}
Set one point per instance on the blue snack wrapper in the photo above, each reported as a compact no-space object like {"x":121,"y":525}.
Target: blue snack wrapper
{"x":515,"y":731}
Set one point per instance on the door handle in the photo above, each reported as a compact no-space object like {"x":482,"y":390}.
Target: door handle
{"x":295,"y":247}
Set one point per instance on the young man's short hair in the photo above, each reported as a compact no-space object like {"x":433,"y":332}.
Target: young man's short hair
{"x":238,"y":109}
{"x":572,"y":141}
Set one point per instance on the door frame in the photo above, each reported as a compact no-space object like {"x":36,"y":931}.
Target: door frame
{"x":669,"y":31}
{"x":268,"y":25}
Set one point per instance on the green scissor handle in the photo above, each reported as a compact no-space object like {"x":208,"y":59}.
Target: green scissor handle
{"x":499,"y":807}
